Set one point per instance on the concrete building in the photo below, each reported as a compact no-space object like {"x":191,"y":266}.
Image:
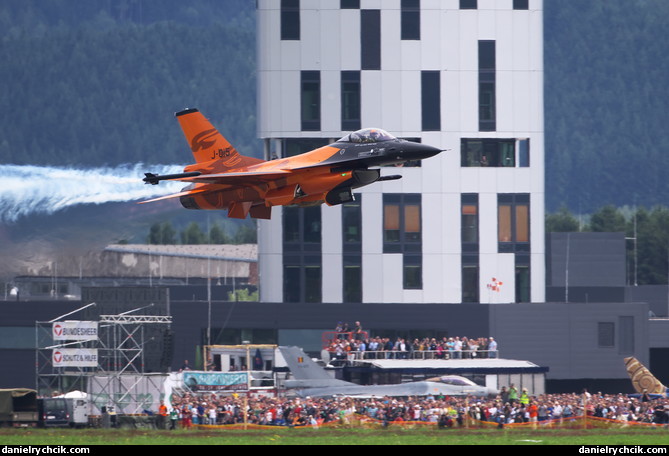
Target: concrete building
{"x":465,"y":75}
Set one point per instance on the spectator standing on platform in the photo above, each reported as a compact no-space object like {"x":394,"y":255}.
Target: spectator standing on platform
{"x":492,"y":348}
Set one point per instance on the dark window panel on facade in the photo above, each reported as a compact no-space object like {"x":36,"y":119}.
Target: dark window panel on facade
{"x":350,"y":100}
{"x":349,"y":4}
{"x":513,"y":219}
{"x":431,"y":100}
{"x":521,"y":4}
{"x":370,"y":39}
{"x":493,"y":152}
{"x":470,"y":221}
{"x":413,"y":272}
{"x":290,"y":19}
{"x":468,"y":4}
{"x":523,"y":283}
{"x":352,"y":281}
{"x":352,"y":222}
{"x":470,"y":282}
{"x":402,"y":233}
{"x":352,"y":246}
{"x":402,"y":223}
{"x":487,"y":86}
{"x":302,"y":260}
{"x":410,"y":20}
{"x":606,"y":334}
{"x":311,"y":100}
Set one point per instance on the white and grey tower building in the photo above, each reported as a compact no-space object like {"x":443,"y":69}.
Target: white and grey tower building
{"x":466,"y":226}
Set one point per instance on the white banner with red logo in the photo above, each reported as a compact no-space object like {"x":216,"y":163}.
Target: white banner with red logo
{"x":75,"y":357}
{"x":75,"y":330}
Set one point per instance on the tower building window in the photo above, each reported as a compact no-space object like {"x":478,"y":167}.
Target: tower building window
{"x":311,"y":101}
{"x":410,"y":21}
{"x":487,"y":86}
{"x":290,"y":19}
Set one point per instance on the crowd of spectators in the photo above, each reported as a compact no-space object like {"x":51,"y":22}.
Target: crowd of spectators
{"x":355,"y":347}
{"x":444,"y":411}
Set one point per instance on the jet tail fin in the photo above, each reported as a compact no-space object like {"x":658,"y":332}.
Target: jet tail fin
{"x":306,"y":373}
{"x":207,"y":144}
{"x":642,"y":379}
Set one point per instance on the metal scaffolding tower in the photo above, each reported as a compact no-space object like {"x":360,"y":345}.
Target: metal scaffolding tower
{"x":113,"y":368}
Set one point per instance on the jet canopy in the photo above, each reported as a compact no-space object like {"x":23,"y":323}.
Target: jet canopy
{"x":454,"y":380}
{"x":367,"y":135}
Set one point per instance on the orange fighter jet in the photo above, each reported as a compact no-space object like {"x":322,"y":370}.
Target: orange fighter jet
{"x":222,"y":178}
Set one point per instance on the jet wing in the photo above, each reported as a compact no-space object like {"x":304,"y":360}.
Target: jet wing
{"x":237,"y":178}
{"x":176,"y":195}
{"x":422,"y":388}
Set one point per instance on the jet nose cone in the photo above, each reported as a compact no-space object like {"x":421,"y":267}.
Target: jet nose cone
{"x":422,"y":151}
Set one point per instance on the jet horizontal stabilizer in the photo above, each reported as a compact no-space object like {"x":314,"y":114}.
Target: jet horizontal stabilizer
{"x":153,"y":179}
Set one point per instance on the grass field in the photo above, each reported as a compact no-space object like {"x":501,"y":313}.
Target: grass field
{"x":285,"y":436}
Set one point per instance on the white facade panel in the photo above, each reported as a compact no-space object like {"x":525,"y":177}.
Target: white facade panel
{"x":289,"y":104}
{"x":409,"y":95}
{"x":392,"y":278}
{"x":497,"y":278}
{"x":468,"y":106}
{"x":290,"y":55}
{"x":504,"y":40}
{"x":372,"y":279}
{"x":349,"y":37}
{"x":372,"y":223}
{"x":311,"y":49}
{"x":391,"y":87}
{"x":432,"y":177}
{"x":371,"y":83}
{"x":391,"y":52}
{"x":521,"y":103}
{"x":488,"y":244}
{"x":270,"y":272}
{"x":520,"y":45}
{"x":432,"y":224}
{"x":487,"y":24}
{"x":468,"y":41}
{"x":331,"y":103}
{"x":450,"y":102}
{"x":330,"y":53}
{"x":333,"y":271}
{"x":432,"y":278}
{"x":505,"y":101}
{"x":451,"y":278}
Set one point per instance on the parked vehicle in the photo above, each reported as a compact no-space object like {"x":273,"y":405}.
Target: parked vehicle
{"x":54,"y":412}
{"x":64,"y":411}
{"x":18,"y":407}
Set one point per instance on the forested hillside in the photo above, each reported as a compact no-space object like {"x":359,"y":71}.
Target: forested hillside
{"x":606,"y":103}
{"x":97,"y":82}
{"x":92,"y":82}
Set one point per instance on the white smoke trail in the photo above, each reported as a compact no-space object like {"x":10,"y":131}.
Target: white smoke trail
{"x":26,"y":190}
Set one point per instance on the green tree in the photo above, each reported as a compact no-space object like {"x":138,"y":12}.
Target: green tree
{"x":608,"y":219}
{"x":243,"y":294}
{"x":562,"y":221}
{"x":162,"y":233}
{"x":217,"y":235}
{"x":193,"y":235}
{"x":246,"y":234}
{"x":652,"y":243}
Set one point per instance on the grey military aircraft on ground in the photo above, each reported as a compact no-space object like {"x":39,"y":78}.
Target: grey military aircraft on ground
{"x":312,"y":380}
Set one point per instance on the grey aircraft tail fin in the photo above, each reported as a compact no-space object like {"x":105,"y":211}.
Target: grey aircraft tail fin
{"x":305,"y":371}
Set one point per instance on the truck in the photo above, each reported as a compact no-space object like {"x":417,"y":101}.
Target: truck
{"x":18,"y":407}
